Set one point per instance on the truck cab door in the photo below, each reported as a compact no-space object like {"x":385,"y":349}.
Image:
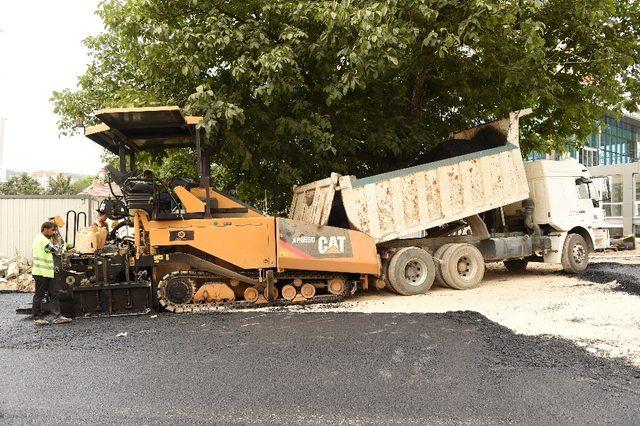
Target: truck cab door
{"x":600,"y":190}
{"x":587,"y":202}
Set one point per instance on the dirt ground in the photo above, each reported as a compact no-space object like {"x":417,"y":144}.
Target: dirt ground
{"x":595,"y":311}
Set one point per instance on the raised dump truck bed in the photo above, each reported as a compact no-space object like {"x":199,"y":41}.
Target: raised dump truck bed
{"x":475,"y":170}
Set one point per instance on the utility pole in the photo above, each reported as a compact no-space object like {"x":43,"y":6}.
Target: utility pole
{"x":3,"y":170}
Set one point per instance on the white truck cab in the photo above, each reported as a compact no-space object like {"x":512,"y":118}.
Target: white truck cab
{"x":567,"y":209}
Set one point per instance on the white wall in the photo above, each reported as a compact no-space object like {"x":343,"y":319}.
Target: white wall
{"x":21,"y":217}
{"x":627,"y":171}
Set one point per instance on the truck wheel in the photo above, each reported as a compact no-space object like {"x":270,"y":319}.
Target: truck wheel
{"x":411,"y":271}
{"x":575,"y":254}
{"x":437,"y":255}
{"x":462,"y":266}
{"x":516,"y":266}
{"x":385,"y":273}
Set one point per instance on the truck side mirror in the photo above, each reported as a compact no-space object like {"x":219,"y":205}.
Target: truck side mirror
{"x":596,"y":203}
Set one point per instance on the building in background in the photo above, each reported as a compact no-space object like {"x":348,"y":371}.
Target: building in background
{"x":613,"y":152}
{"x":43,"y":176}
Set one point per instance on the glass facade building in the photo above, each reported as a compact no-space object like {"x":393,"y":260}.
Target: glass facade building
{"x":616,"y":143}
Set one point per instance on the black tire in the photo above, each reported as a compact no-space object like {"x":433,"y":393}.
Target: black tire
{"x":411,"y":271}
{"x":575,"y":254}
{"x":385,"y":273}
{"x":462,"y":266}
{"x":516,"y":266}
{"x":437,"y":256}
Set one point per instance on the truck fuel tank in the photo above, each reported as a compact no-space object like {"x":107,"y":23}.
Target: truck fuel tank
{"x":514,"y":247}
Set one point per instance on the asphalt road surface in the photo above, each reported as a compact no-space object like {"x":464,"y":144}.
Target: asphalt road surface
{"x":282,"y":367}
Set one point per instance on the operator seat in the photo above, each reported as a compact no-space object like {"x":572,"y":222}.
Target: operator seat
{"x":139,"y":194}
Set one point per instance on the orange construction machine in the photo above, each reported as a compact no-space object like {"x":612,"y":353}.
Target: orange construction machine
{"x":192,"y":247}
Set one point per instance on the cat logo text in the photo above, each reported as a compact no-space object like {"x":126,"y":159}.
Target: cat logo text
{"x":331,"y":245}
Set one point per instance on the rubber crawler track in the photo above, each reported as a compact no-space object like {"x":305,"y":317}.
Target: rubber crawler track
{"x":242,"y":304}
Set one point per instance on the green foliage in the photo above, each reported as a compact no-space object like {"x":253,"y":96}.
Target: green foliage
{"x":165,"y":165}
{"x":81,"y":184}
{"x":59,"y":185}
{"x":21,"y":184}
{"x":292,"y":90}
{"x":62,"y":185}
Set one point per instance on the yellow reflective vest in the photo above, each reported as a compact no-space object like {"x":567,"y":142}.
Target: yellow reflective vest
{"x":42,"y":261}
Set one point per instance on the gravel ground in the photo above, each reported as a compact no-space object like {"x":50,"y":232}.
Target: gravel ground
{"x":306,"y":367}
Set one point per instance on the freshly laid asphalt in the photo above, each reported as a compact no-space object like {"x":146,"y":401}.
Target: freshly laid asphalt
{"x":627,"y":276}
{"x":284,"y":367}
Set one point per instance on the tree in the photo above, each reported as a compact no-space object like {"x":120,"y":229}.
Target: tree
{"x":293,"y":90}
{"x":21,"y":184}
{"x":60,"y":185}
{"x":81,"y":184}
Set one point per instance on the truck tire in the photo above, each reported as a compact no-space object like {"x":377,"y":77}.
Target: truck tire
{"x":516,"y":266}
{"x":411,"y":271}
{"x":437,"y":256}
{"x":385,"y":274}
{"x":575,"y":254}
{"x":462,"y":266}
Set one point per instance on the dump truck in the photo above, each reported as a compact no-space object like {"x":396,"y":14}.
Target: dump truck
{"x":194,"y":248}
{"x":443,"y":219}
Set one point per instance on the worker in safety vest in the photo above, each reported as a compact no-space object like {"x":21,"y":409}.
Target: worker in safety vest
{"x":43,"y":273}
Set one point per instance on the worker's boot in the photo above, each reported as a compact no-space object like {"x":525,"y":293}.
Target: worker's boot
{"x":61,"y":319}
{"x":40,"y":321}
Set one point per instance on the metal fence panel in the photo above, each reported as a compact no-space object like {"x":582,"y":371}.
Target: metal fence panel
{"x":21,"y":217}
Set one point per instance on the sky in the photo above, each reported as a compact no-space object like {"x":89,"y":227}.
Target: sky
{"x":41,"y":51}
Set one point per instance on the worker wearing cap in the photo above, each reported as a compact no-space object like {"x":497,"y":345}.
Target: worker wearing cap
{"x":57,"y":239}
{"x":43,"y":274}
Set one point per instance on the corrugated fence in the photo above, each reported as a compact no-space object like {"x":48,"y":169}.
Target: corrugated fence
{"x":22,"y":215}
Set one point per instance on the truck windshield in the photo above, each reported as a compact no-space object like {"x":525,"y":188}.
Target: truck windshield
{"x":583,"y":189}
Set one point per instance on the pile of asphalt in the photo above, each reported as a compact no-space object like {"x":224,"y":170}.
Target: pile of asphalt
{"x":627,"y":276}
{"x":309,"y":367}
